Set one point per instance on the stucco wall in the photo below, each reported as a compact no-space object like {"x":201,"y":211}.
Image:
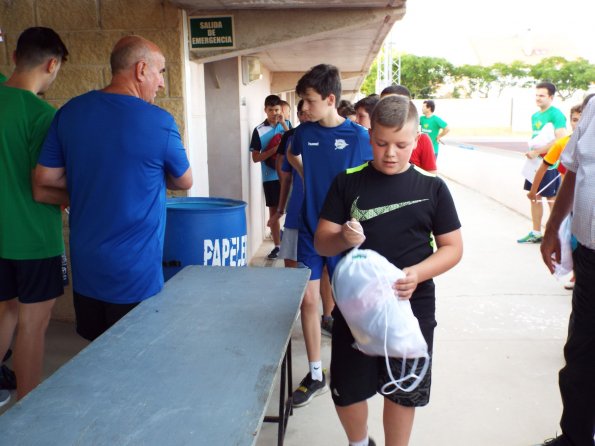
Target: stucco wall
{"x":89,"y":28}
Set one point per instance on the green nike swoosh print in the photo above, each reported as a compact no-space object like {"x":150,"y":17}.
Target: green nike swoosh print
{"x":368,"y":214}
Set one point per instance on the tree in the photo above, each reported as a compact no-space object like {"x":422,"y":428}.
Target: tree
{"x":422,"y":75}
{"x":425,"y":75}
{"x":475,"y":78}
{"x":509,"y":75}
{"x":369,"y":85}
{"x":567,"y":76}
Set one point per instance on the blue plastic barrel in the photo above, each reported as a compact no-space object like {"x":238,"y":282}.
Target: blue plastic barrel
{"x":204,"y":231}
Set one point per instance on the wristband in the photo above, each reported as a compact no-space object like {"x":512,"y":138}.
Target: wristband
{"x":280,"y":211}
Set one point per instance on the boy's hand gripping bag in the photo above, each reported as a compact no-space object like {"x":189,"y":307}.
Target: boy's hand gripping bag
{"x":381,"y":324}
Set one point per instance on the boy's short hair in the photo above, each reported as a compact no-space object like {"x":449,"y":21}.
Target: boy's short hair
{"x":300,"y":105}
{"x":284,"y":103}
{"x":35,"y":45}
{"x":396,"y":89}
{"x":394,"y":112}
{"x":369,"y":102}
{"x":345,"y":108}
{"x":551,"y":88}
{"x":324,"y":79}
{"x":272,"y":100}
{"x":578,"y":108}
{"x":430,"y":104}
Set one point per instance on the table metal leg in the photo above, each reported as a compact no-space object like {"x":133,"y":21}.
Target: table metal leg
{"x":285,"y":405}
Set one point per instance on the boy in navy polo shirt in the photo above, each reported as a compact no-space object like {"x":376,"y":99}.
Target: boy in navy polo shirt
{"x":263,"y":145}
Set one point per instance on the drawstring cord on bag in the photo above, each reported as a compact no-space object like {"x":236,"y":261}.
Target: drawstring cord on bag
{"x":357,"y":231}
{"x":396,"y":384}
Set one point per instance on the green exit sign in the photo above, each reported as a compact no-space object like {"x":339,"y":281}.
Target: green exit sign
{"x":211,"y":32}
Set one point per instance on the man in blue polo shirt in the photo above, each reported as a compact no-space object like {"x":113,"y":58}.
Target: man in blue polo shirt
{"x":116,"y":152}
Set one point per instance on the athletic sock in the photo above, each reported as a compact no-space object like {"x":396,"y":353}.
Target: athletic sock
{"x":537,"y":233}
{"x":316,"y":370}
{"x":364,"y":442}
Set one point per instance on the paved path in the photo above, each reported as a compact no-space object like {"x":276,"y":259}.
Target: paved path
{"x":502,"y":323}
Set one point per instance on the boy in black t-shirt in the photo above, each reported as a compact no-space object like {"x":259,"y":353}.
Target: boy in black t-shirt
{"x":398,"y":207}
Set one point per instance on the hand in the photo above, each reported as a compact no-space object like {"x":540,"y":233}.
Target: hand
{"x":531,"y":154}
{"x":405,"y":287}
{"x":279,"y":118}
{"x":532,"y":196}
{"x":550,"y":249}
{"x":353,"y":233}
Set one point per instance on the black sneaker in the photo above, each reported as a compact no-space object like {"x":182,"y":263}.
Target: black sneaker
{"x":308,"y":389}
{"x":273,"y":254}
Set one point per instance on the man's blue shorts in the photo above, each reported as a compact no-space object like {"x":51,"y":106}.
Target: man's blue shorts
{"x":552,"y":189}
{"x":309,"y":257}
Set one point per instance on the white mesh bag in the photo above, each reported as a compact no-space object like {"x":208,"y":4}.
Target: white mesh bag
{"x":381,"y":324}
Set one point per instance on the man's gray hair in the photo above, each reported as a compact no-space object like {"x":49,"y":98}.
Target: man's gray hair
{"x":130,"y":50}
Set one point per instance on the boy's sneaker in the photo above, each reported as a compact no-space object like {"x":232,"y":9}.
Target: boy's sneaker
{"x":308,"y":389}
{"x":274,"y":253}
{"x":4,"y":397}
{"x":530,"y":238}
{"x":326,"y":326}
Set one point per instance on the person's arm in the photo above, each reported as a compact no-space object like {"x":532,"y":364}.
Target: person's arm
{"x":425,"y":149}
{"x":331,"y":238}
{"x":442,"y":134}
{"x":49,"y":185}
{"x":296,"y":162}
{"x":541,"y":170}
{"x":448,"y":254}
{"x":183,"y":182}
{"x":550,"y":245}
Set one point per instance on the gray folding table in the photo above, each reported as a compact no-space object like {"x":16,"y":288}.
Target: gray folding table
{"x":194,"y":365}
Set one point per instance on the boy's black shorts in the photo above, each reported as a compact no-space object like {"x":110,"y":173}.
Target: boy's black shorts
{"x":32,"y":281}
{"x":272,"y":190}
{"x":355,"y":376}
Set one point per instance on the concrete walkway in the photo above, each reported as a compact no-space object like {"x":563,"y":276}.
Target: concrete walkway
{"x":502,"y":322}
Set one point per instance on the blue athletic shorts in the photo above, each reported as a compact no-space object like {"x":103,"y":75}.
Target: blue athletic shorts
{"x":552,"y":189}
{"x":309,"y":257}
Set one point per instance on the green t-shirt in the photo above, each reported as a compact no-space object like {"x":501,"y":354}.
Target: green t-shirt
{"x":28,"y":230}
{"x":432,"y":126}
{"x":541,"y":118}
{"x":2,"y":78}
